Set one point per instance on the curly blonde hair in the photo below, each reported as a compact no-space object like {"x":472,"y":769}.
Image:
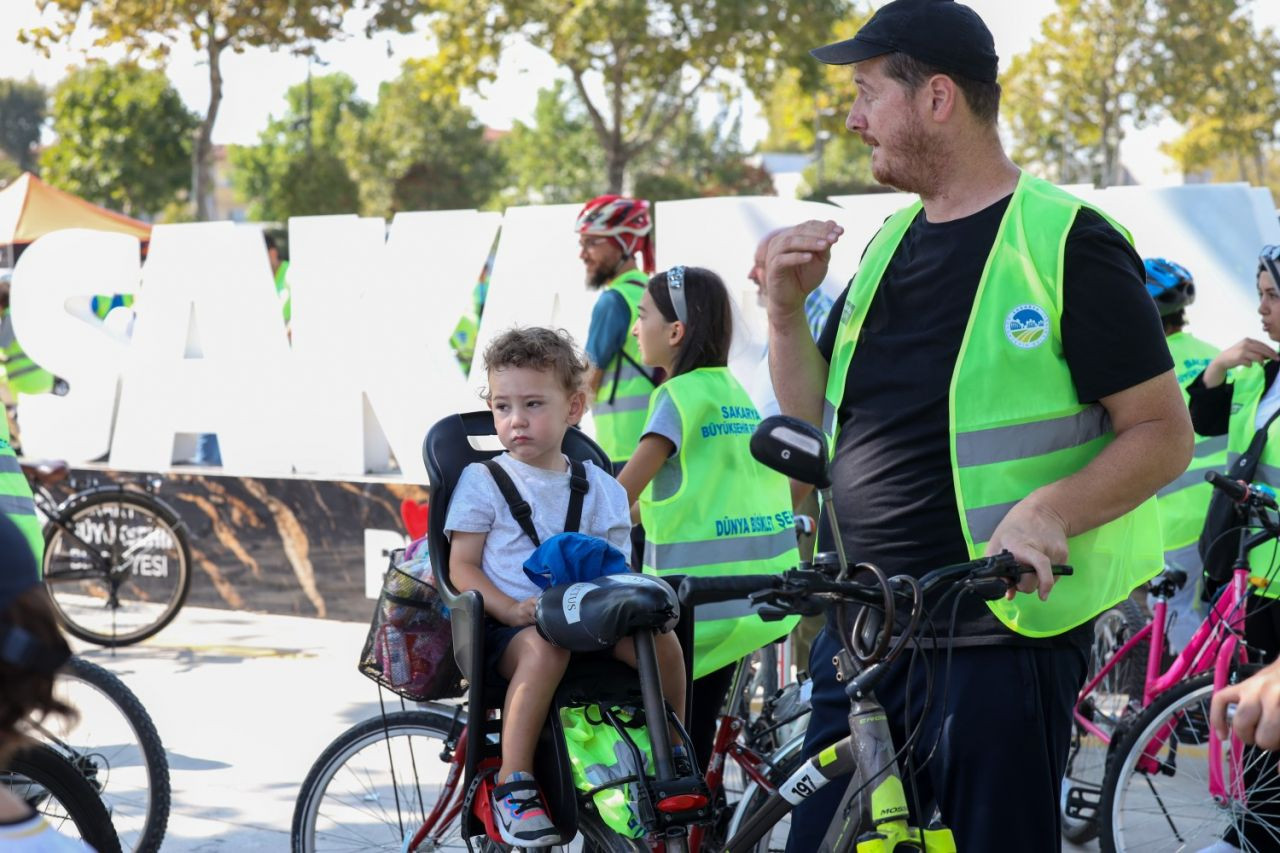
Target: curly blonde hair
{"x":541,"y":349}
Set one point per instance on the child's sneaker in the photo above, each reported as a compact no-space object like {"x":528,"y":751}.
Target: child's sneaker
{"x":520,"y":813}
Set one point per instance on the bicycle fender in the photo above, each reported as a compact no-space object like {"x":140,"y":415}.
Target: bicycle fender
{"x":79,"y":497}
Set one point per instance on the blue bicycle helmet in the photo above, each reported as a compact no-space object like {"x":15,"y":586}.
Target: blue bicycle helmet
{"x":1170,"y":285}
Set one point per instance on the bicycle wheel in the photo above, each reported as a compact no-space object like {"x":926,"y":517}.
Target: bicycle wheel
{"x":145,"y":545}
{"x":115,"y":745}
{"x":373,"y":787}
{"x":55,"y":789}
{"x":1112,"y":698}
{"x":785,"y":762}
{"x":1167,"y":806}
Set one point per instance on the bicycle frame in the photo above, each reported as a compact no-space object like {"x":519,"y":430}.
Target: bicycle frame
{"x":1214,"y":644}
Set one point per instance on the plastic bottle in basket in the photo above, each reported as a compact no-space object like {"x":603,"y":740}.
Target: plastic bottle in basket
{"x":395,"y":656}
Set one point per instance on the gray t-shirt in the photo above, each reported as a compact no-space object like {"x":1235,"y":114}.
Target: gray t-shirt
{"x":477,"y":506}
{"x":665,"y":421}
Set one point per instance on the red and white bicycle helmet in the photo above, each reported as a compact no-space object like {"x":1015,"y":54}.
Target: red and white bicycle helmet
{"x":624,"y":219}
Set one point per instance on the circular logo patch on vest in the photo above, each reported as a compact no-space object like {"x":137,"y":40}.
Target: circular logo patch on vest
{"x":1027,"y":326}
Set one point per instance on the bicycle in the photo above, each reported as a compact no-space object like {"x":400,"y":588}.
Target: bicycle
{"x":115,"y":747}
{"x":1165,"y":782}
{"x":57,"y":791}
{"x":116,"y":559}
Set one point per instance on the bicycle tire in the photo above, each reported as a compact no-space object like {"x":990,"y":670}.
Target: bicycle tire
{"x":316,"y":828}
{"x":156,"y":599}
{"x":1086,"y":762}
{"x":63,"y":796}
{"x":110,"y":761}
{"x":786,"y":761}
{"x":1184,"y":707}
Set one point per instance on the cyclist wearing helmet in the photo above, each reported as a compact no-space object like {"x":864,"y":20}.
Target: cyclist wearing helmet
{"x":612,"y":231}
{"x":1183,"y":502}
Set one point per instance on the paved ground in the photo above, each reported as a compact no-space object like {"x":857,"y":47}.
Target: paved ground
{"x":245,"y":703}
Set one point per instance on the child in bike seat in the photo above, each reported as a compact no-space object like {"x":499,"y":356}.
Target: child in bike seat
{"x":536,"y":393}
{"x":31,"y":651}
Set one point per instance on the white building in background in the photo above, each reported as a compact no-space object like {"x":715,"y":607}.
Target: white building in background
{"x":786,"y":169}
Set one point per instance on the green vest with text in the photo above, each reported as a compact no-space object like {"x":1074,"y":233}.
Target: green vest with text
{"x":727,"y":515}
{"x":1248,"y":384}
{"x":1183,"y":502}
{"x":623,"y":399}
{"x":1015,"y":421}
{"x":23,"y":375}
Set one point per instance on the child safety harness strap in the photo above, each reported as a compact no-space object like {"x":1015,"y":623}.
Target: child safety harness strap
{"x":523,"y":513}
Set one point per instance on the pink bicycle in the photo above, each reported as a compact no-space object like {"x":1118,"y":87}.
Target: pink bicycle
{"x":1170,"y":783}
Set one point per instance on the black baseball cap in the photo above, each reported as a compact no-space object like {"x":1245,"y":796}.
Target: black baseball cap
{"x":942,"y":33}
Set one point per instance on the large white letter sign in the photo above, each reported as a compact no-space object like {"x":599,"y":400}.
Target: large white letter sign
{"x":61,"y":269}
{"x":421,"y":286}
{"x":211,"y":279}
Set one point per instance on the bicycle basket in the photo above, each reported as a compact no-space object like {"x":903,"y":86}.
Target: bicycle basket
{"x":409,"y":649}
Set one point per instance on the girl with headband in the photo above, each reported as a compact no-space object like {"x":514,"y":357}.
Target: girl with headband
{"x":708,"y":508}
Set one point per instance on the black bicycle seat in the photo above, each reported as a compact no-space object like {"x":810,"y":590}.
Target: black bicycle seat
{"x":593,"y":615}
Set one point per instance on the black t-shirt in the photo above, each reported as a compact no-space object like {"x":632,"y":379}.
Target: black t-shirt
{"x":892,"y":471}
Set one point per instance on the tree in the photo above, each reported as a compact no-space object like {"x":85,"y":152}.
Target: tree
{"x":693,"y":160}
{"x":636,"y":65}
{"x":123,"y":138}
{"x":1069,"y":97}
{"x":22,"y":114}
{"x":554,"y":160}
{"x":213,"y":27}
{"x":296,"y":169}
{"x":420,"y":149}
{"x":1220,"y":77}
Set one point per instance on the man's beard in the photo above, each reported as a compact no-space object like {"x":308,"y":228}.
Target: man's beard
{"x":603,"y":275}
{"x":919,"y":161}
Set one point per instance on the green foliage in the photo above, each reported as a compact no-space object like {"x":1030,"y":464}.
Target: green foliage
{"x":420,"y":149}
{"x":692,"y":161}
{"x":22,"y":112}
{"x":1220,"y":77}
{"x":845,"y":170}
{"x":556,"y":159}
{"x":123,"y":138}
{"x":297,"y":169}
{"x":1068,"y":98}
{"x":637,"y":65}
{"x":148,"y":28}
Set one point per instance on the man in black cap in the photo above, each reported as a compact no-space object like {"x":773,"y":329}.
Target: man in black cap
{"x":994,"y":377}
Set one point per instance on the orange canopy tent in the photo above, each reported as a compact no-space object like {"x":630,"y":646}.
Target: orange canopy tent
{"x":30,"y":208}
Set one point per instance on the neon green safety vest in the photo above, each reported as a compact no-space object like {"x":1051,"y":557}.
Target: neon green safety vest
{"x":23,"y":375}
{"x":1248,"y":384}
{"x":728,"y":515}
{"x":1183,"y":502}
{"x":1015,"y":421}
{"x":15,"y":497}
{"x":623,"y":398}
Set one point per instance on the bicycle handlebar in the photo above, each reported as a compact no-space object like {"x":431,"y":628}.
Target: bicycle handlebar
{"x":806,"y":584}
{"x":1242,"y":492}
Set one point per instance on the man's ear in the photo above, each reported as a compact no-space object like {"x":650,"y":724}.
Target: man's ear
{"x":943,"y":94}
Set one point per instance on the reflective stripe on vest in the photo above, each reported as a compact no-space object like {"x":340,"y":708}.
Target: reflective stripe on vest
{"x":1012,"y":436}
{"x":1248,"y":384}
{"x":1183,"y":502}
{"x":620,"y":406}
{"x":730,"y":515}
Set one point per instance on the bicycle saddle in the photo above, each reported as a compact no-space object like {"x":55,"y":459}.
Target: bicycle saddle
{"x":594,"y":615}
{"x":47,"y":472}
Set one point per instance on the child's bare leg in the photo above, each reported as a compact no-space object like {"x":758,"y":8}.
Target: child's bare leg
{"x":534,"y":668}
{"x":670,"y":667}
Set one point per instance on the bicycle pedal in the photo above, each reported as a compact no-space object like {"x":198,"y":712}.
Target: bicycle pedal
{"x":1083,"y":802}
